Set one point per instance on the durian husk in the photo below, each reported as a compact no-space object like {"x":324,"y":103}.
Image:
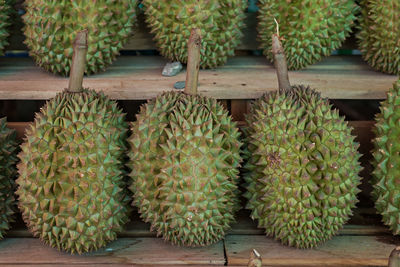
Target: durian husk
{"x":5,"y":7}
{"x":184,"y":158}
{"x":310,"y":30}
{"x":379,"y":35}
{"x":386,"y":160}
{"x":8,"y":173}
{"x":71,"y":175}
{"x":51,"y":27}
{"x":220,"y":23}
{"x":302,"y":167}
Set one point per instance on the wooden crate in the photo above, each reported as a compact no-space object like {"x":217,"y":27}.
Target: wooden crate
{"x":363,"y":242}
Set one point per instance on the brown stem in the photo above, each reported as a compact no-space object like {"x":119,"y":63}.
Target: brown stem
{"x":78,"y":62}
{"x":193,"y":64}
{"x":255,"y":259}
{"x":280,"y":62}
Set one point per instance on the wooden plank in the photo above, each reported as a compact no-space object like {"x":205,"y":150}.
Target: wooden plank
{"x":244,"y":77}
{"x":339,"y":251}
{"x":151,"y":251}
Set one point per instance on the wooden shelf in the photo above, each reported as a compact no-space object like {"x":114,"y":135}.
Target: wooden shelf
{"x":243,"y":77}
{"x":356,"y":245}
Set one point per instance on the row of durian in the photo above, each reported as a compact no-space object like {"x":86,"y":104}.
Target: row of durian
{"x":301,"y":164}
{"x":312,"y":29}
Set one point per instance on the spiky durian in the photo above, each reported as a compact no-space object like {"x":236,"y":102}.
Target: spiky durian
{"x":4,"y":23}
{"x":50,"y":28}
{"x":70,"y":175}
{"x":302,"y":167}
{"x":379,"y":36}
{"x":219,"y":21}
{"x":386,"y":160}
{"x":310,"y":29}
{"x":184,"y":158}
{"x":8,"y":172}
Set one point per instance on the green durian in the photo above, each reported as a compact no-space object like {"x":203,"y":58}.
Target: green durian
{"x":219,"y":21}
{"x":386,"y":160}
{"x":302,"y":163}
{"x":8,"y":172}
{"x":310,"y":29}
{"x":50,"y":28}
{"x":5,"y":7}
{"x":184,"y":158}
{"x":71,"y":174}
{"x":379,"y":36}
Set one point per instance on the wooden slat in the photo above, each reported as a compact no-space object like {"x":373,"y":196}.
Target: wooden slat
{"x":340,"y":251}
{"x":247,"y":77}
{"x":151,"y":251}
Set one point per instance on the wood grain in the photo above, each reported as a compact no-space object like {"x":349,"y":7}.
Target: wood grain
{"x":151,"y":251}
{"x":139,"y":77}
{"x":340,"y":251}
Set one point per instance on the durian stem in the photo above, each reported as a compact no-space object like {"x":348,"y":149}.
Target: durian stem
{"x":78,"y":62}
{"x":193,"y":63}
{"x":255,"y":259}
{"x":280,"y":63}
{"x":394,"y":259}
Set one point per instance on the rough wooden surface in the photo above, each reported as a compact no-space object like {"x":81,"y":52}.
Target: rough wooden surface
{"x":340,"y":251}
{"x":155,"y":251}
{"x":244,"y":77}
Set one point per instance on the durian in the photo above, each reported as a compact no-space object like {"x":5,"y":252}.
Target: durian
{"x":8,"y":172}
{"x":184,"y":158}
{"x":220,"y":23}
{"x":379,"y":36}
{"x":71,"y":183}
{"x":50,"y":28}
{"x":386,"y":160}
{"x":5,"y":6}
{"x":302,"y":164}
{"x":311,"y":29}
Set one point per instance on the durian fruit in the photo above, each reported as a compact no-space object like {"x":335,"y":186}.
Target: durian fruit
{"x":8,"y":172}
{"x":386,"y":159}
{"x":220,"y":23}
{"x":311,"y":29}
{"x":184,"y":158}
{"x":379,"y":36}
{"x":302,"y":164}
{"x":50,"y":28}
{"x":71,"y":183}
{"x":4,"y":23}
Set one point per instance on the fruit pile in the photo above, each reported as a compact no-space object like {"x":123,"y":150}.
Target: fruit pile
{"x":184,"y":152}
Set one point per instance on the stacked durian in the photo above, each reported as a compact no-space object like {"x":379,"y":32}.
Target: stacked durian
{"x":70,"y":185}
{"x":386,"y":160}
{"x":220,"y":23}
{"x":5,"y":7}
{"x":379,"y":36}
{"x":8,"y":172}
{"x":302,"y":163}
{"x":310,"y":29}
{"x":184,"y":158}
{"x":50,"y":28}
